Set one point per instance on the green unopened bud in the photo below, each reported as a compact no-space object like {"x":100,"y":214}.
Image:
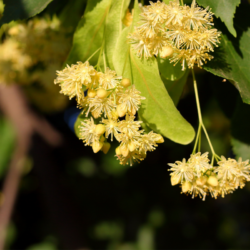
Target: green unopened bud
{"x":100,"y":129}
{"x":106,"y":147}
{"x":102,"y":93}
{"x":91,"y":93}
{"x":125,"y":82}
{"x":212,"y":180}
{"x":97,"y":146}
{"x":186,"y":186}
{"x":175,"y":180}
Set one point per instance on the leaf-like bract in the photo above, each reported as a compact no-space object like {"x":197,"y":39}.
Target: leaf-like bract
{"x":175,"y":88}
{"x":157,"y":110}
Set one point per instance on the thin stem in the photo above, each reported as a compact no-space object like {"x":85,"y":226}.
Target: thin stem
{"x":93,"y":54}
{"x":197,"y":98}
{"x":99,"y":58}
{"x":199,"y":146}
{"x":104,"y":61}
{"x":182,"y":2}
{"x":197,"y":138}
{"x":209,"y":142}
{"x":212,"y":162}
{"x":199,"y":114}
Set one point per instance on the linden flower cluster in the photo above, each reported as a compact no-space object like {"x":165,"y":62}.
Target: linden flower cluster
{"x":112,"y":103}
{"x":182,"y":32}
{"x":198,"y":178}
{"x":29,"y":56}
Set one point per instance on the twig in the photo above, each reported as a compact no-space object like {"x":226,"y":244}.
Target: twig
{"x":26,"y":123}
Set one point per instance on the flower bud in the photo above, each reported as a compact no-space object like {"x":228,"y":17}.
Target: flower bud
{"x":121,"y":110}
{"x":125,"y":82}
{"x":100,"y":129}
{"x":212,"y":181}
{"x":91,"y":93}
{"x":166,"y":51}
{"x":97,"y":146}
{"x":201,"y":181}
{"x":159,"y":139}
{"x":131,"y":146}
{"x":175,"y":180}
{"x":124,"y":151}
{"x":106,"y":147}
{"x":13,"y":31}
{"x":186,"y":186}
{"x":114,"y":114}
{"x":118,"y":151}
{"x":102,"y":93}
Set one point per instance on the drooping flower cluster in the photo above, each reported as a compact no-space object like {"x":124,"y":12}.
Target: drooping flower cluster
{"x":29,"y":56}
{"x":198,"y":178}
{"x":111,"y":103}
{"x":184,"y":33}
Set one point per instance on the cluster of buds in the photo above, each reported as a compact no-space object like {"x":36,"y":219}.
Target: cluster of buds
{"x":183,"y":33}
{"x":110,"y":104}
{"x":198,"y":178}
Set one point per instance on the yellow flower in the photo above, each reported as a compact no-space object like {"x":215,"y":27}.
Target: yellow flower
{"x":130,"y":100}
{"x":72,"y":78}
{"x":88,"y":132}
{"x":182,"y":170}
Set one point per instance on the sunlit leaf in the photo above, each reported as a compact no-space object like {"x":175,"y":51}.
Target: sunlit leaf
{"x":175,"y":88}
{"x":89,"y":34}
{"x":113,"y":28}
{"x":224,"y":9}
{"x":168,"y":70}
{"x":167,"y":1}
{"x":18,"y":10}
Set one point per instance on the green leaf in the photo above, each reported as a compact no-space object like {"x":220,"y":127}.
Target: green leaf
{"x":158,"y":110}
{"x":89,"y":34}
{"x":241,"y":149}
{"x":71,"y":14}
{"x":114,"y":28}
{"x":231,"y":59}
{"x":224,"y":9}
{"x":17,"y":10}
{"x":7,"y":143}
{"x":80,"y":118}
{"x":175,"y":88}
{"x":167,"y":1}
{"x":168,"y":70}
